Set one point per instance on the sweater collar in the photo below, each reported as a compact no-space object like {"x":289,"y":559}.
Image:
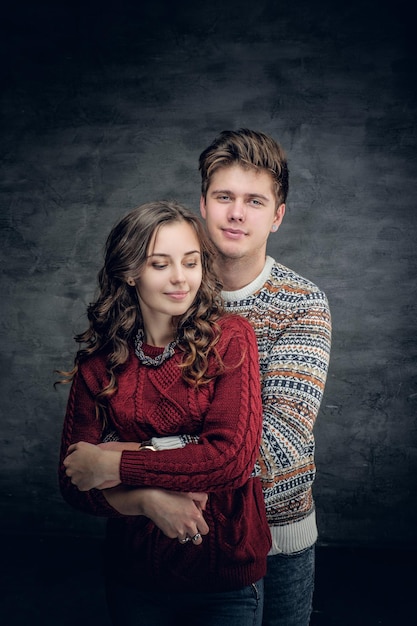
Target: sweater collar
{"x":253,"y":287}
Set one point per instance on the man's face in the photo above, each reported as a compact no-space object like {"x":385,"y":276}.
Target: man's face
{"x":240,"y":210}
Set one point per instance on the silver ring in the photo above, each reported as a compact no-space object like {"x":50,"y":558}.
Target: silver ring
{"x":196,"y":537}
{"x":186,"y":540}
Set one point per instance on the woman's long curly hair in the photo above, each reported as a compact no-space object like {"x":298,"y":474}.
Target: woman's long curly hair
{"x":115,"y":316}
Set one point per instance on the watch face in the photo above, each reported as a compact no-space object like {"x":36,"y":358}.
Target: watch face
{"x":147,"y":445}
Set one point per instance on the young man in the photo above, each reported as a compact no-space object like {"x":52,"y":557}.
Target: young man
{"x":244,"y":190}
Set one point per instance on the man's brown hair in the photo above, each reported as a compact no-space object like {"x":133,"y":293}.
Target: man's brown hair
{"x":247,"y":148}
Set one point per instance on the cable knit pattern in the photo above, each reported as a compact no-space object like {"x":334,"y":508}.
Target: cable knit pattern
{"x":226,"y":414}
{"x":292,"y":323}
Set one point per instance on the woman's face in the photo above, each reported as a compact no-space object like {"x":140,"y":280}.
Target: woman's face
{"x":172,"y":275}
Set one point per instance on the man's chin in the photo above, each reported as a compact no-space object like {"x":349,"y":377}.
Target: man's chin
{"x":229,"y":249}
{"x":230,"y":253}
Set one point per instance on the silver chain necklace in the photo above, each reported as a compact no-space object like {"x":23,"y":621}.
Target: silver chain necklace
{"x":168,"y":352}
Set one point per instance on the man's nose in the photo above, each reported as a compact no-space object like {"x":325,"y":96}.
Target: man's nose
{"x":237,"y":211}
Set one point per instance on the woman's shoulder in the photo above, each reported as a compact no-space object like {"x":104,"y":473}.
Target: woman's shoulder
{"x":235,"y":325}
{"x":237,"y":339}
{"x":94,"y":365}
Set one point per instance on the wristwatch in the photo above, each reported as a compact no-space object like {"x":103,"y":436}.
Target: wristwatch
{"x":147,"y":445}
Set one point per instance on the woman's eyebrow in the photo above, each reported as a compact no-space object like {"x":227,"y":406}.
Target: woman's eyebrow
{"x":168,"y":255}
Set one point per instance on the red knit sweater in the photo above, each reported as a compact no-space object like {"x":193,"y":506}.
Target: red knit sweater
{"x":227,"y":416}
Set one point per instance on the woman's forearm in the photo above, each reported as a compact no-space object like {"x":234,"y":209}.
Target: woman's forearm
{"x":175,"y":514}
{"x":126,"y":501}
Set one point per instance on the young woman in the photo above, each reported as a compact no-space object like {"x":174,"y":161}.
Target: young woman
{"x":161,"y":359}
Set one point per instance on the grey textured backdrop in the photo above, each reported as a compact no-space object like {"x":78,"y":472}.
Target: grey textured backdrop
{"x":106,"y":107}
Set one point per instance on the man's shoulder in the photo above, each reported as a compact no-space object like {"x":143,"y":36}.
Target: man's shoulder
{"x":277,"y":288}
{"x":286,"y":288}
{"x":283,"y":277}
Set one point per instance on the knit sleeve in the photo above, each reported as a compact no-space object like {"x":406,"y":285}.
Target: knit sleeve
{"x":226,"y":451}
{"x":81,"y":424}
{"x":293,"y":378}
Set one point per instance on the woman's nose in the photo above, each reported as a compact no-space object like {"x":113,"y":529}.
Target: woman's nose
{"x":177,"y":275}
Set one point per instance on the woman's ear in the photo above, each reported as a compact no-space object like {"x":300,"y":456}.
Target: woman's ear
{"x":130,"y":281}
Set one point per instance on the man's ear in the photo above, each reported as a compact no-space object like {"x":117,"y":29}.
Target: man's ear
{"x":279,"y":216}
{"x":203,"y":207}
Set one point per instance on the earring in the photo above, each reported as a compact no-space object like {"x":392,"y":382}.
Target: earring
{"x":131,"y":282}
{"x":274,"y":228}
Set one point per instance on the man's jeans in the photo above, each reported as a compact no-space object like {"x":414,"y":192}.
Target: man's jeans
{"x":289,"y":586}
{"x":129,"y":607}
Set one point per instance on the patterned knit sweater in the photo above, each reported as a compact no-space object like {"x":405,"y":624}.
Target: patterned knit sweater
{"x":292,"y":323}
{"x":226,"y":414}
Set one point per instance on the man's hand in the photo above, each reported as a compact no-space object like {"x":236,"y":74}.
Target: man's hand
{"x":91,"y":467}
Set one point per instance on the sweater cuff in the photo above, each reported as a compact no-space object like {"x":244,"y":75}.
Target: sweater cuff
{"x":167,"y":443}
{"x":173,"y":443}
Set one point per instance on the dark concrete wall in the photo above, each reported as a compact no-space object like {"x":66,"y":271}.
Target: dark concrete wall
{"x":105,"y":108}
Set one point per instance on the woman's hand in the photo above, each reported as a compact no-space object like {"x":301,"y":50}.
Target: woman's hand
{"x":177,"y":515}
{"x":89,"y":466}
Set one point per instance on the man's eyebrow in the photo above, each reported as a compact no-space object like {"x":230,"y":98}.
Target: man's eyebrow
{"x":227,"y":191}
{"x":257,"y":195}
{"x":231,"y":193}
